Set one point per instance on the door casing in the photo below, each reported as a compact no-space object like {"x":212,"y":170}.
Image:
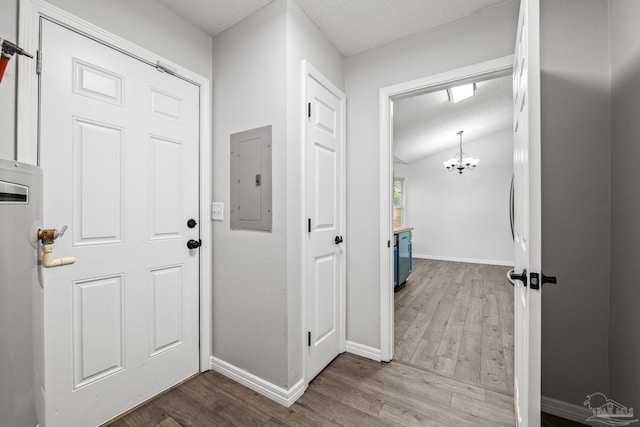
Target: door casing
{"x":30,"y":12}
{"x":309,"y":70}
{"x":494,"y":68}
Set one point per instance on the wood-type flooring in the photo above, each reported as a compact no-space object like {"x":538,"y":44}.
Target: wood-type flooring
{"x":453,"y":368}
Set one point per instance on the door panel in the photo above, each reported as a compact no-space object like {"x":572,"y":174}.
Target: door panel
{"x":98,"y":338}
{"x":119,"y":149}
{"x":324,"y":258}
{"x":97,"y":183}
{"x":527,"y":215}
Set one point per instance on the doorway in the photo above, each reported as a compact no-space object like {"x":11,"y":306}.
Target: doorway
{"x":470,"y":74}
{"x":454,"y":314}
{"x":324,"y":247}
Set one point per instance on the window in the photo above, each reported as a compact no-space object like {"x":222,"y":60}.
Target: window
{"x":398,"y":202}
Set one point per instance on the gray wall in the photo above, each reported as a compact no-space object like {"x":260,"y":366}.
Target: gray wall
{"x":624,"y":338}
{"x":143,"y":22}
{"x":249,"y":268}
{"x":483,"y":36}
{"x":462,"y":217}
{"x":575,"y":197}
{"x":9,"y":31}
{"x":257,"y":277}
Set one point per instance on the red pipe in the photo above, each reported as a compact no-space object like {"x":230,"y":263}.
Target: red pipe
{"x":4,"y":61}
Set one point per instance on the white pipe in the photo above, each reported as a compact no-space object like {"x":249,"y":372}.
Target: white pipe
{"x":49,"y":261}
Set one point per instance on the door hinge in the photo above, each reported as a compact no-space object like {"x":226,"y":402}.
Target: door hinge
{"x":309,"y":339}
{"x":537,"y":281}
{"x":38,"y":62}
{"x":309,"y":225}
{"x":309,"y":110}
{"x":388,"y":243}
{"x":166,"y":68}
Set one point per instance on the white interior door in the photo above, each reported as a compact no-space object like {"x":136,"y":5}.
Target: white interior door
{"x":325,"y":208}
{"x":527,"y":216}
{"x":119,"y":149}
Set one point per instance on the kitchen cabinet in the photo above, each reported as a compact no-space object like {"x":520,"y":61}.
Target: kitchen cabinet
{"x":402,"y":262}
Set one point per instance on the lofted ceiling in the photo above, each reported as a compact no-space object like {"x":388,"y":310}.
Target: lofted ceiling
{"x":427,"y":124}
{"x":352,"y":25}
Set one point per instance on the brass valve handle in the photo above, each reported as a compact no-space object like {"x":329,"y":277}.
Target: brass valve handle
{"x":47,"y":236}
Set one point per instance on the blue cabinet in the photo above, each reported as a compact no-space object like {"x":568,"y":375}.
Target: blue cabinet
{"x":402,"y":262}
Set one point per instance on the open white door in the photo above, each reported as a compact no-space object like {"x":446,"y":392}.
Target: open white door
{"x":527,"y":218}
{"x":325,"y":208}
{"x":119,"y":149}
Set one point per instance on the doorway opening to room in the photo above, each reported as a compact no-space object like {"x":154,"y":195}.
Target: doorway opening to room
{"x":452,"y":165}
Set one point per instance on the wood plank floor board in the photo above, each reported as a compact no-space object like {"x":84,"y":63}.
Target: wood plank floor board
{"x":493,"y":414}
{"x":330,"y":388}
{"x":468,"y":363}
{"x":403,"y":417}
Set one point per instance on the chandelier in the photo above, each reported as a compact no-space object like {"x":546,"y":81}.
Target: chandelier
{"x":461,"y":162}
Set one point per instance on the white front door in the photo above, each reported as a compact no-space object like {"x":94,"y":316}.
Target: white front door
{"x":325,"y":210}
{"x":527,"y":215}
{"x":119,"y":149}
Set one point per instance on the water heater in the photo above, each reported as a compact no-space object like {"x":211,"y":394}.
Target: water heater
{"x":20,"y":218}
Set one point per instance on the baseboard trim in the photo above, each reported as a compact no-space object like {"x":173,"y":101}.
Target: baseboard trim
{"x":569,"y":411}
{"x":277,"y":394}
{"x":469,"y":260}
{"x":363,"y":351}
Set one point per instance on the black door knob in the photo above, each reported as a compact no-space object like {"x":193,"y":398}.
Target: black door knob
{"x":191,"y":223}
{"x":338,"y":239}
{"x":522,"y":277}
{"x":193,"y":244}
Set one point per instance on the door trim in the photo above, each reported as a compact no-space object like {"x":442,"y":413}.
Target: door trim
{"x":496,"y":67}
{"x":30,"y":12}
{"x":311,"y":71}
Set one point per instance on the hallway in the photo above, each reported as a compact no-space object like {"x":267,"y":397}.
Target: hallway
{"x":352,"y":391}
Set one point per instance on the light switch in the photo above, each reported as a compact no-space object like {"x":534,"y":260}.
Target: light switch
{"x":217,"y":211}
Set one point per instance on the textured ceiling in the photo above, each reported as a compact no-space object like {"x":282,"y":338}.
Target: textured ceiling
{"x":427,"y":124}
{"x":357,"y":25}
{"x":352,"y":25}
{"x":214,"y":16}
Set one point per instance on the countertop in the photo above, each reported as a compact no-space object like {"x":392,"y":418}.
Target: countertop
{"x":401,"y":230}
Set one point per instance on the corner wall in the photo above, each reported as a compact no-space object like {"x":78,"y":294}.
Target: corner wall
{"x":483,"y":36}
{"x":257,"y":291}
{"x":250,"y":329}
{"x":575,"y":197}
{"x":463,"y":217}
{"x":624,"y":338}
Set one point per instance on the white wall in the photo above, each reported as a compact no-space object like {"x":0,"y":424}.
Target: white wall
{"x":257,"y":276}
{"x":624,"y":338}
{"x":487,"y":35}
{"x":575,"y":197}
{"x":462,"y":217}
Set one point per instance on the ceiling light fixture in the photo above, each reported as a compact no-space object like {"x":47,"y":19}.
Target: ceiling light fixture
{"x":461,"y":162}
{"x":460,"y":93}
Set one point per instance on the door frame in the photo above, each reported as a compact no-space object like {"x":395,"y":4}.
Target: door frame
{"x":30,"y":12}
{"x":488,"y":69}
{"x":310,"y":71}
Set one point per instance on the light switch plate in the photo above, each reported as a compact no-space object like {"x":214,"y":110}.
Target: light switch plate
{"x":217,"y":211}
